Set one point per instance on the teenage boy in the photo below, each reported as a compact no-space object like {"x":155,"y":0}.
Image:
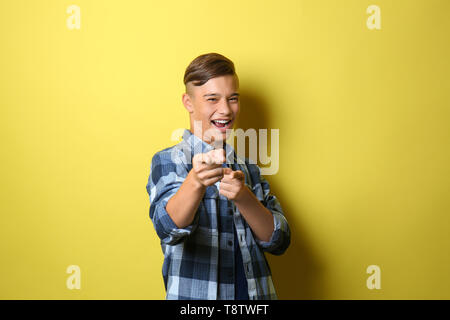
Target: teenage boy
{"x":212,"y":210}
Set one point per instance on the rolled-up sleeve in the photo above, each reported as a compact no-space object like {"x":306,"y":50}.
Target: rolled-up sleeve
{"x":281,"y":236}
{"x":164,"y":181}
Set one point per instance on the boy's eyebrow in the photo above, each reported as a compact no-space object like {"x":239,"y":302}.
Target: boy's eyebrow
{"x":216,"y":94}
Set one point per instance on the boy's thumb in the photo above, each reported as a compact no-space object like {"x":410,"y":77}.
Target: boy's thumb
{"x":227,"y":171}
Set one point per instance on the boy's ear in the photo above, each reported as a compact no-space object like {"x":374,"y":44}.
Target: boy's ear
{"x":187,"y":102}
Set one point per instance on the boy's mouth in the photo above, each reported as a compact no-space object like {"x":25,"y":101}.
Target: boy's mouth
{"x":222,"y":124}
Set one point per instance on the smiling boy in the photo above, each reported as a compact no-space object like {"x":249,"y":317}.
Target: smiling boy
{"x":213,"y":211}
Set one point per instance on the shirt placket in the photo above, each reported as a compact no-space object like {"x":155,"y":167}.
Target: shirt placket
{"x":241,"y":234}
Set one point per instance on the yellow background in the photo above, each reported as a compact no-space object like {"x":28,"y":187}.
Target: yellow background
{"x":364,"y":139}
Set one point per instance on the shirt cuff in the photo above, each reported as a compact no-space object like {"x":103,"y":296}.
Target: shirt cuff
{"x":274,"y":238}
{"x":173,"y":234}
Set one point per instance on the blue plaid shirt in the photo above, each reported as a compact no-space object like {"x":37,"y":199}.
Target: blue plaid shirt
{"x":199,"y":259}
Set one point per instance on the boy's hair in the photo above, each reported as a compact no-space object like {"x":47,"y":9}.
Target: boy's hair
{"x":208,"y":66}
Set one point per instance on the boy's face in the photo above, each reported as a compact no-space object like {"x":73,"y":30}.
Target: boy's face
{"x":214,"y":105}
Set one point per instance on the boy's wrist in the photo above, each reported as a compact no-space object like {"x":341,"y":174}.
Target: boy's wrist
{"x":243,"y":195}
{"x":195,"y":182}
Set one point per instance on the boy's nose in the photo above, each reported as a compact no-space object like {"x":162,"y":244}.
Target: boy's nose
{"x":224,"y":108}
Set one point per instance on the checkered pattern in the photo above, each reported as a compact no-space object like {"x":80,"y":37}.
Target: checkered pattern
{"x":199,"y":259}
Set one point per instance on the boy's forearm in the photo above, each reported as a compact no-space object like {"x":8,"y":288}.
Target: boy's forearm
{"x":184,"y":204}
{"x":258,"y":217}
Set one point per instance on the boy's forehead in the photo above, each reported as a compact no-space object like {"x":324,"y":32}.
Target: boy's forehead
{"x":224,"y":85}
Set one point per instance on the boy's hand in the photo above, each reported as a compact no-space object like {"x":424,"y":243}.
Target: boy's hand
{"x":232,"y":185}
{"x":207,"y":167}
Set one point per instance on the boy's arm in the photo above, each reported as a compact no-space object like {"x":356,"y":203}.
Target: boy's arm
{"x":184,"y":204}
{"x":206,"y":170}
{"x":175,"y":194}
{"x":281,"y":237}
{"x":258,"y":217}
{"x":265,"y":217}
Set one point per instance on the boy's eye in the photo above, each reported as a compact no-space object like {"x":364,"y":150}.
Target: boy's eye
{"x":215,"y":99}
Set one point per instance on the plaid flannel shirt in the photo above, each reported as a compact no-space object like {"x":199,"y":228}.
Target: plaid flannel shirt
{"x":199,"y":259}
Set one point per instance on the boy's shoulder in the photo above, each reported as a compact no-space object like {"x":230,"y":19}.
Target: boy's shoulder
{"x":176,"y":154}
{"x":164,"y":152}
{"x":168,"y":164}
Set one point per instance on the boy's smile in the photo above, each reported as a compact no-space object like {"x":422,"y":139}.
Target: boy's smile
{"x":222,"y":124}
{"x":214,"y":105}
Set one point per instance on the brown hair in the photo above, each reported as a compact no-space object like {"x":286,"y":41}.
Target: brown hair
{"x":208,"y":66}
